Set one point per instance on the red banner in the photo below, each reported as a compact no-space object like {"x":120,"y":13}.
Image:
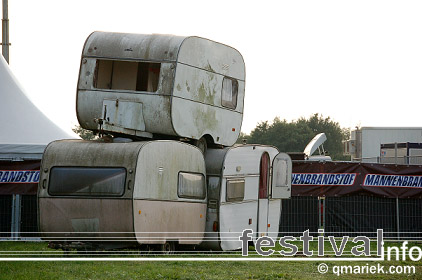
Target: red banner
{"x":350,"y":178}
{"x":19,"y":177}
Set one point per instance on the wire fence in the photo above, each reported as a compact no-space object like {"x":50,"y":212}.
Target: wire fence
{"x":5,"y":215}
{"x":337,"y":216}
{"x":353,"y":216}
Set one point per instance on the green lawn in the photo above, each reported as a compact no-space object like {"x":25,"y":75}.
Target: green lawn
{"x":175,"y":269}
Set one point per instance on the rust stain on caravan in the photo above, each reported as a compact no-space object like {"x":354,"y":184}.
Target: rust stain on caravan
{"x":72,"y":217}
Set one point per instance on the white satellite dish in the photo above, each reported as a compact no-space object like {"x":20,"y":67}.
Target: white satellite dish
{"x":313,"y":145}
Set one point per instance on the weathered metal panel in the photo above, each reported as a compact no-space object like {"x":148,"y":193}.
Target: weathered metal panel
{"x":281,"y":181}
{"x":156,"y":222}
{"x":198,"y":85}
{"x":203,"y":86}
{"x":199,"y":110}
{"x":194,"y":120}
{"x":200,"y":66}
{"x":114,"y":114}
{"x":234,"y":218}
{"x":94,"y":218}
{"x":245,"y":159}
{"x":159,"y":164}
{"x":133,"y":46}
{"x":212,"y":56}
{"x":274,"y":212}
{"x":263,"y":213}
{"x":155,"y":109}
{"x":89,"y":153}
{"x":214,"y":159}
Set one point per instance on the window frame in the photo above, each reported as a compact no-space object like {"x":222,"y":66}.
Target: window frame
{"x":74,"y":194}
{"x":235,"y":199}
{"x":179,"y":195}
{"x":234,"y":88}
{"x":139,"y":80}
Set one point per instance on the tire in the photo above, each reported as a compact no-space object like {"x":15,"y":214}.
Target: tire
{"x":167,"y":248}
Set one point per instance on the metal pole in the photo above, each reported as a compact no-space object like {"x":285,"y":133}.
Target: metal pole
{"x":395,"y":152}
{"x":5,"y":31}
{"x":398,"y":218}
{"x":16,"y":216}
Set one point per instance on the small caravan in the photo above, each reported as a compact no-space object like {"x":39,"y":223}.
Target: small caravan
{"x":161,"y":85}
{"x":245,"y":186}
{"x":113,"y":195}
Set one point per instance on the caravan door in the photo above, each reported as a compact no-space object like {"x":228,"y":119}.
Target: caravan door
{"x":264,"y":176}
{"x":280,"y":188}
{"x":281,"y":185}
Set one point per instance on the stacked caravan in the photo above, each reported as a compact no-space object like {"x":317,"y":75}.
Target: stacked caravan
{"x":162,"y":102}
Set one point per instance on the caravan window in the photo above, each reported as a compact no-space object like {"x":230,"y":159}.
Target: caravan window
{"x":229,"y":93}
{"x":235,"y":190}
{"x":264,"y":174}
{"x":127,"y":75}
{"x":191,"y":185}
{"x":87,"y":181}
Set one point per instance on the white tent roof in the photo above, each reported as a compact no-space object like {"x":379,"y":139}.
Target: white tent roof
{"x":25,"y":130}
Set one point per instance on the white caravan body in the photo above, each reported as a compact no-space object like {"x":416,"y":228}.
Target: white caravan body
{"x":155,"y":85}
{"x":245,"y":186}
{"x":141,"y":192}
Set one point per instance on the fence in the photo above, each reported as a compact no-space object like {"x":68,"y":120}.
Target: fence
{"x":18,"y":217}
{"x":353,"y":216}
{"x":338,"y":216}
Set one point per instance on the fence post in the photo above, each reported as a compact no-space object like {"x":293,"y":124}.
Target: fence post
{"x":16,"y":216}
{"x":321,"y":212}
{"x":398,"y":218}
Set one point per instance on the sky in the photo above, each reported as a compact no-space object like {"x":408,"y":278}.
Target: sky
{"x":357,"y":62}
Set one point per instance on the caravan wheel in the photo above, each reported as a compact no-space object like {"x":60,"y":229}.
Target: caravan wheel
{"x":168,"y":248}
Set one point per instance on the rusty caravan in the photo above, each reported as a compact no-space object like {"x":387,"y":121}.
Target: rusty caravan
{"x":114,"y":195}
{"x":158,"y":86}
{"x":245,"y":186}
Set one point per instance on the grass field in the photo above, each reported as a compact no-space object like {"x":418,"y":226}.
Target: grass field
{"x":76,"y":269}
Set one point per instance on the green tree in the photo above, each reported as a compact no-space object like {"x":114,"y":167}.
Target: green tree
{"x":84,"y":133}
{"x":294,"y":136}
{"x":242,"y":137}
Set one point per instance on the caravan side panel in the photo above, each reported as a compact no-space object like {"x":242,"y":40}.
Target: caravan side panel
{"x":212,"y":56}
{"x":76,"y":217}
{"x":159,"y":221}
{"x":202,"y":65}
{"x":243,"y":162}
{"x":160,"y":212}
{"x":274,"y":212}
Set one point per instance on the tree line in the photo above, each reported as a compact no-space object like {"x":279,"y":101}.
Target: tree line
{"x":286,"y":136}
{"x":295,"y":135}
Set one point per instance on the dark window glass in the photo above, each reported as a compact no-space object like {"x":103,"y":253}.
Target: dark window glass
{"x":85,"y":181}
